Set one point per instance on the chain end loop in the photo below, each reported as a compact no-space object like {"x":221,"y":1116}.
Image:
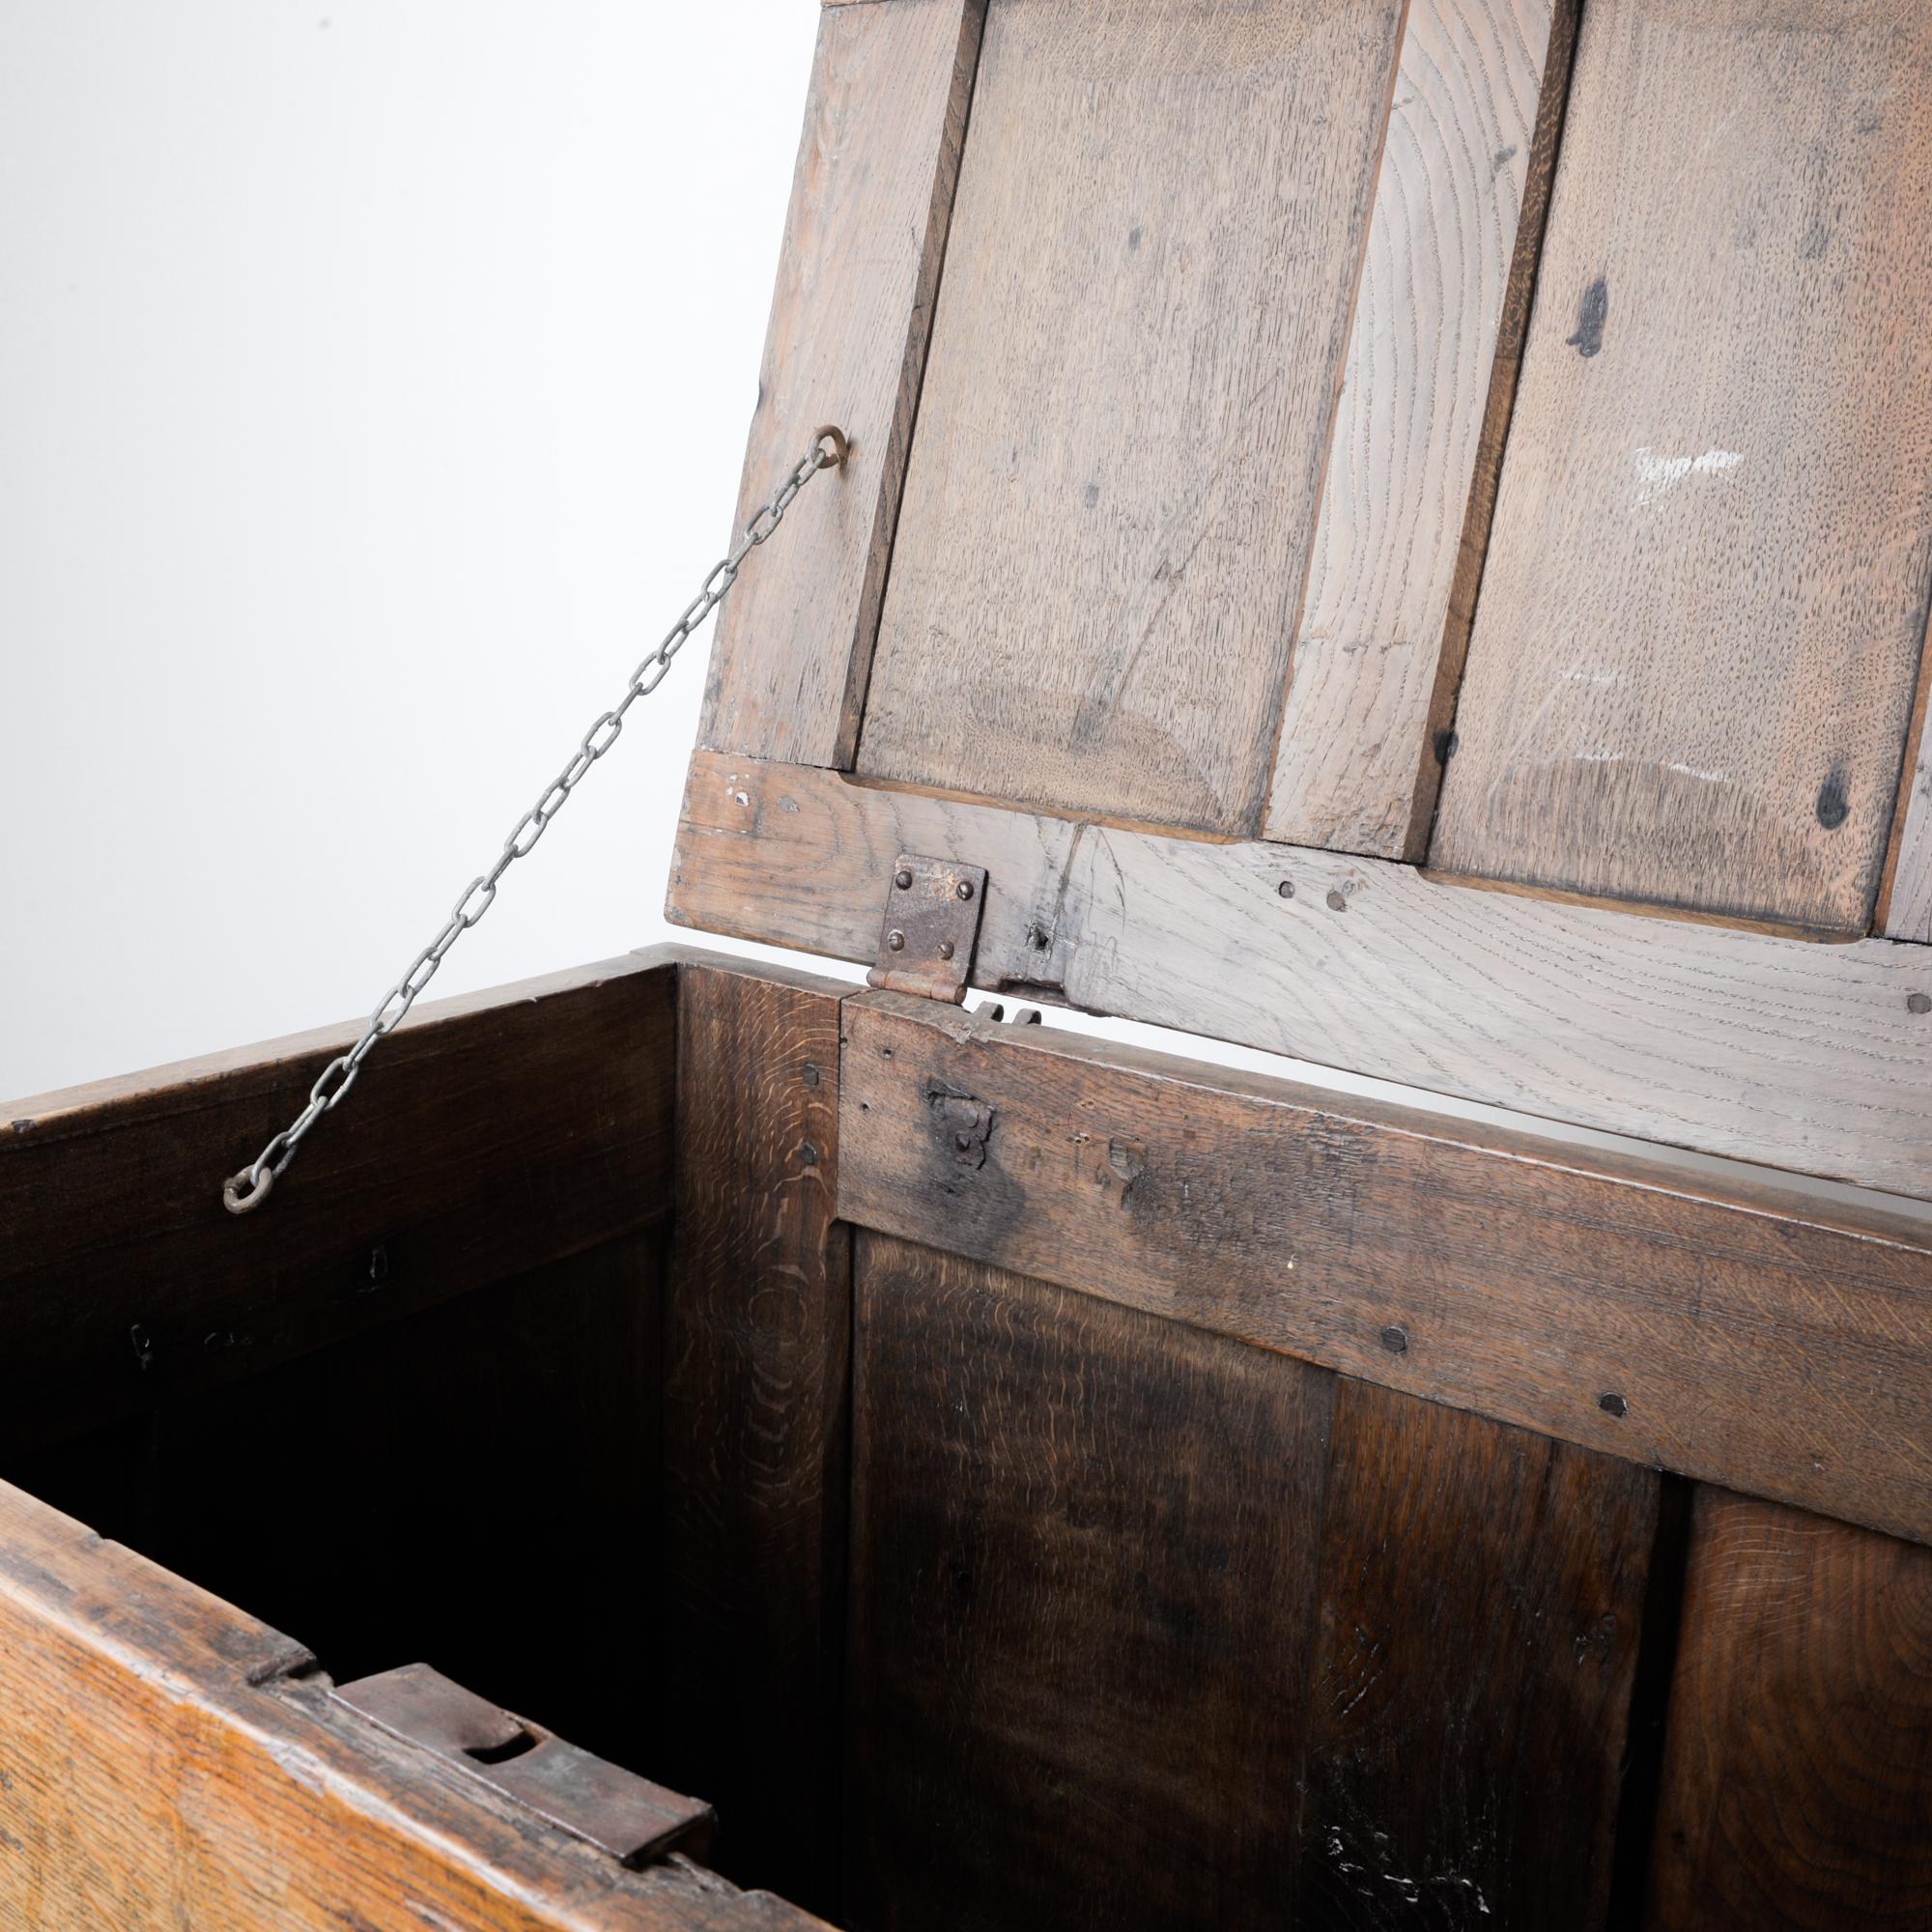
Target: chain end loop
{"x":258,"y":1185}
{"x":835,"y":457}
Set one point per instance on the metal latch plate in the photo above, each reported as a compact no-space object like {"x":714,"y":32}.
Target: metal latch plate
{"x":931,"y":926}
{"x":626,"y":1815}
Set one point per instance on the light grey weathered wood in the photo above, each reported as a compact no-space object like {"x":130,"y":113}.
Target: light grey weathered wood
{"x":1765,"y":1048}
{"x":870,"y":201}
{"x":1147,"y":299}
{"x":1412,"y":460}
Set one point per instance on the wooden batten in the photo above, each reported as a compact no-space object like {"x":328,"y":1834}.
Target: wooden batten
{"x":1763,"y":1048}
{"x":1749,"y":1338}
{"x":1706,"y":592}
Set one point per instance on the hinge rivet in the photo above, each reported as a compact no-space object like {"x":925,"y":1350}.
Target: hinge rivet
{"x":895,"y":940}
{"x":965,"y":889}
{"x":902,"y":879}
{"x":946,"y":948}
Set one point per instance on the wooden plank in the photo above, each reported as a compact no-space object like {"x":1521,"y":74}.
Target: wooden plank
{"x":1798,"y":1775}
{"x":1482,"y":1598}
{"x":473,"y":1456}
{"x":1706,"y":588}
{"x":491,"y":1134}
{"x":1078,"y":1674}
{"x":1747,"y":1335}
{"x":757,"y":1351}
{"x":1905,"y":901}
{"x":1159,"y":222}
{"x":870,"y":201}
{"x":1438,"y":328}
{"x":1754,"y":1046}
{"x":170,"y":1762}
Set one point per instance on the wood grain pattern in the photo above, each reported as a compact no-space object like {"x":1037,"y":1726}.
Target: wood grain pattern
{"x":1482,"y":1596}
{"x":512,"y":1128}
{"x":1748,"y":1336}
{"x":757,"y":1351}
{"x":1905,"y":901}
{"x":1762,"y":1047}
{"x":1707,"y":587}
{"x":1158,"y":226}
{"x":1439,"y":327}
{"x":475,"y":1485}
{"x":870,"y":201}
{"x":1798,"y":1781}
{"x":1078,"y":1673}
{"x":166,"y":1761}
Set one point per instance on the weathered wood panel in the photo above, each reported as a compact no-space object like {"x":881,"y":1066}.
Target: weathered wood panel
{"x":757,"y":1351}
{"x":847,"y":344}
{"x":1083,"y":1571}
{"x":166,"y":1761}
{"x":1762,"y":1047}
{"x":1481,"y":1599}
{"x":1439,"y":327}
{"x":1905,"y":904}
{"x":1707,"y":587}
{"x":1159,"y":223}
{"x":475,"y":1485}
{"x":492,"y":1133}
{"x":1751,"y":1337}
{"x":1798,"y":1778}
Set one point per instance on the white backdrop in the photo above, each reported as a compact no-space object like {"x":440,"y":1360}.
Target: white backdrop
{"x":374,"y":380}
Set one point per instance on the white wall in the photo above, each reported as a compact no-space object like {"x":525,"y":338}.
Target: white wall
{"x":374,"y":380}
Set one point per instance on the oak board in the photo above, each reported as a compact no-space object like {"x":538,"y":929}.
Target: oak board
{"x":1125,"y":423}
{"x":1707,"y":585}
{"x":870,"y":201}
{"x":1440,"y":315}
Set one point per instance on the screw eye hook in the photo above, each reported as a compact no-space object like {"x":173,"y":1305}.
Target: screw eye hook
{"x":833,"y":456}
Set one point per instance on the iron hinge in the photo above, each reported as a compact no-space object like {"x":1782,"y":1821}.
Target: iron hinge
{"x":929,"y":928}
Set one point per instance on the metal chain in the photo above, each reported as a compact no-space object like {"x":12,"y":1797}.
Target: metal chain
{"x":245,"y":1190}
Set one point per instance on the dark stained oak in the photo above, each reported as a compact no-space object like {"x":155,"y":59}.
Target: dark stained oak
{"x":488,"y":1135}
{"x":1798,"y":1774}
{"x":863,"y":239}
{"x":756,"y":1345}
{"x":1705,"y":597}
{"x":1482,"y":1596}
{"x":475,"y":1485}
{"x":1083,"y":1572}
{"x":1141,"y":331}
{"x":1740,"y":1333}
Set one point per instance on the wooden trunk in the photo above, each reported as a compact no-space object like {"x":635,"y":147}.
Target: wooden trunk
{"x":1395,"y":531}
{"x":1171,"y":1498}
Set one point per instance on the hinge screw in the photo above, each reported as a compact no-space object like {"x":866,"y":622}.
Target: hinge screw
{"x":965,"y":889}
{"x":902,"y":879}
{"x":946,"y":948}
{"x":895,"y":940}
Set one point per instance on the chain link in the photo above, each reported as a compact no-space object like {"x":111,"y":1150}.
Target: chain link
{"x":245,"y":1190}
